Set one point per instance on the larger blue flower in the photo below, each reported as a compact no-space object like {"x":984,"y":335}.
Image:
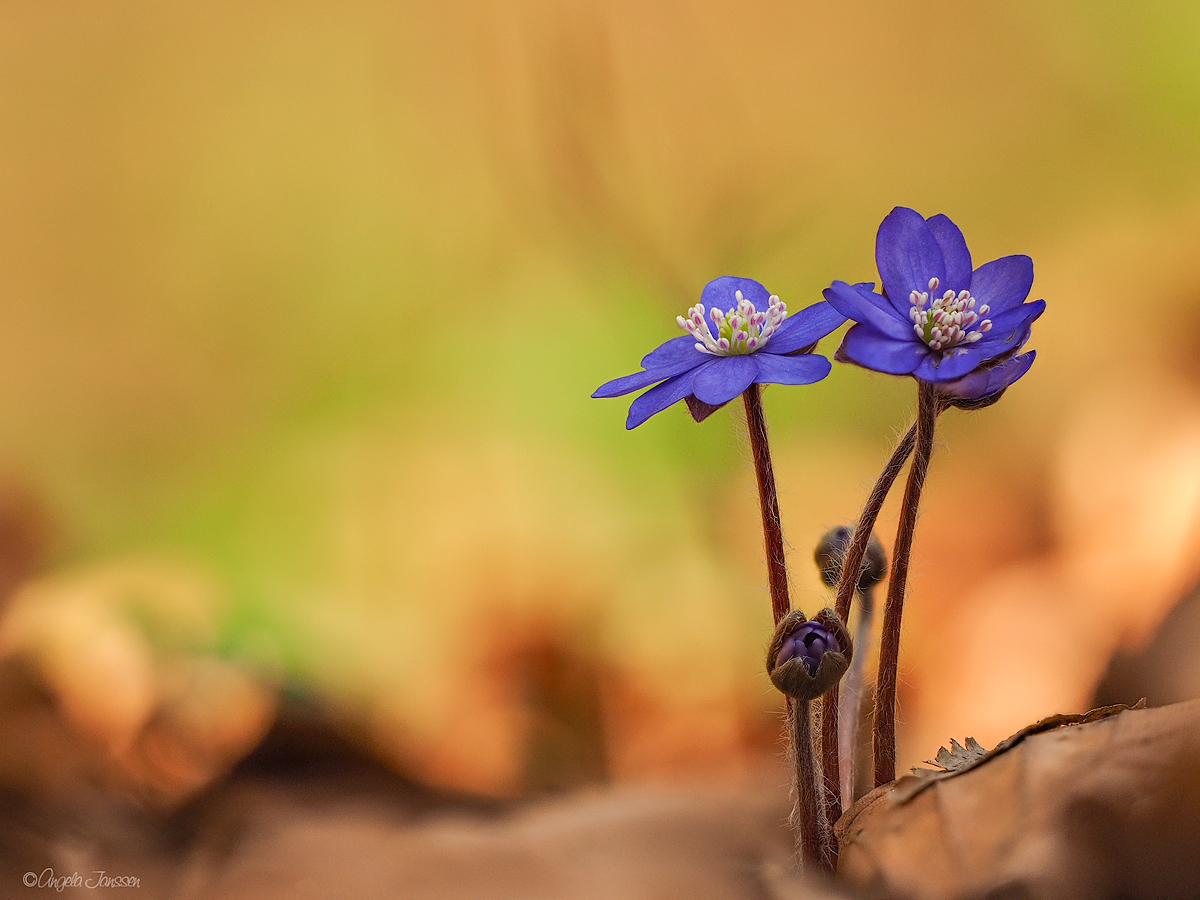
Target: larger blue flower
{"x":937,"y":319}
{"x":752,"y":340}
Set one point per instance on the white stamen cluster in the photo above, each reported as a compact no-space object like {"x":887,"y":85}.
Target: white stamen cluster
{"x":743,"y":330}
{"x":946,"y":323}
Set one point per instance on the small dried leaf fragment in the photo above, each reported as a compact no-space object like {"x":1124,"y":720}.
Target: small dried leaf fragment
{"x":957,"y":757}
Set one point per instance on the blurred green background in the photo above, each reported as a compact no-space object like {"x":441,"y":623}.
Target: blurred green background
{"x":311,"y":298}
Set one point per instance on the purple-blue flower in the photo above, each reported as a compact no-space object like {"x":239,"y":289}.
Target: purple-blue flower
{"x":751,"y":339}
{"x":938,"y":319}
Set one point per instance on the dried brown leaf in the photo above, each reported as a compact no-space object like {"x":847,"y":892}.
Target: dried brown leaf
{"x":1104,"y":804}
{"x":959,"y":759}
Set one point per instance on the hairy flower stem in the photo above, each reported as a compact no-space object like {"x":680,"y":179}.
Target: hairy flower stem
{"x":852,"y":564}
{"x":768,"y":501}
{"x":831,"y":744}
{"x":814,"y":837}
{"x":884,"y":742}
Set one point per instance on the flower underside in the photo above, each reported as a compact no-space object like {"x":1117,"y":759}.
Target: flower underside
{"x":946,"y":324}
{"x":743,"y":330}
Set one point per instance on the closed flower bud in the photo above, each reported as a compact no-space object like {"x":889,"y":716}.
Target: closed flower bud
{"x":806,"y":658}
{"x":832,"y":550}
{"x":808,"y":643}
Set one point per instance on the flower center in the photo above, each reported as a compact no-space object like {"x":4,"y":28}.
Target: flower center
{"x":743,"y":330}
{"x":946,"y":323}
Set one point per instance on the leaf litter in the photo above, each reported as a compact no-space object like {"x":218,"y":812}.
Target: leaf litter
{"x":1098,"y":805}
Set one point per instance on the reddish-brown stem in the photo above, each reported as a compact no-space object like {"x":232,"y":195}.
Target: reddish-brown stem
{"x":814,"y":837}
{"x":768,"y":501}
{"x":852,"y":564}
{"x":884,"y":742}
{"x":847,"y":582}
{"x":831,"y":768}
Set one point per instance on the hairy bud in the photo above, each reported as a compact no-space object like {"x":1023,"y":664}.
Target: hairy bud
{"x":832,"y":550}
{"x":806,"y":658}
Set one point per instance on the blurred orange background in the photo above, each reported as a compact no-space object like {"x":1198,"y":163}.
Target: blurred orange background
{"x":301,"y":305}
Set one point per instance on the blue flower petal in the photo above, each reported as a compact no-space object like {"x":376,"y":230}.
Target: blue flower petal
{"x":954,"y":252}
{"x":955,"y":364}
{"x":723,"y":379}
{"x":1010,"y":329}
{"x":660,"y":397}
{"x":806,"y":368}
{"x":867,"y":306}
{"x":674,"y":351}
{"x":983,"y":382}
{"x":868,"y":348}
{"x":720,"y":293}
{"x":670,"y":359}
{"x":627,"y":384}
{"x":1006,"y":342}
{"x":907,"y":255}
{"x":804,"y":328}
{"x":1003,"y":283}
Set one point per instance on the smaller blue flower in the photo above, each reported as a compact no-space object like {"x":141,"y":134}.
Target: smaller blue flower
{"x":752,"y":340}
{"x":938,"y":319}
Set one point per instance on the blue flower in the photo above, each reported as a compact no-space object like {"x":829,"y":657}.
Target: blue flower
{"x":752,"y":340}
{"x":967,"y":338}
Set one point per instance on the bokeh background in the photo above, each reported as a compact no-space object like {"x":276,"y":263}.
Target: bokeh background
{"x":301,"y":305}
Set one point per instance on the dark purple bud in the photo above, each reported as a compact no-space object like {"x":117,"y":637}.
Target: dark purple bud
{"x":806,"y":658}
{"x":832,"y":550}
{"x":808,"y":643}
